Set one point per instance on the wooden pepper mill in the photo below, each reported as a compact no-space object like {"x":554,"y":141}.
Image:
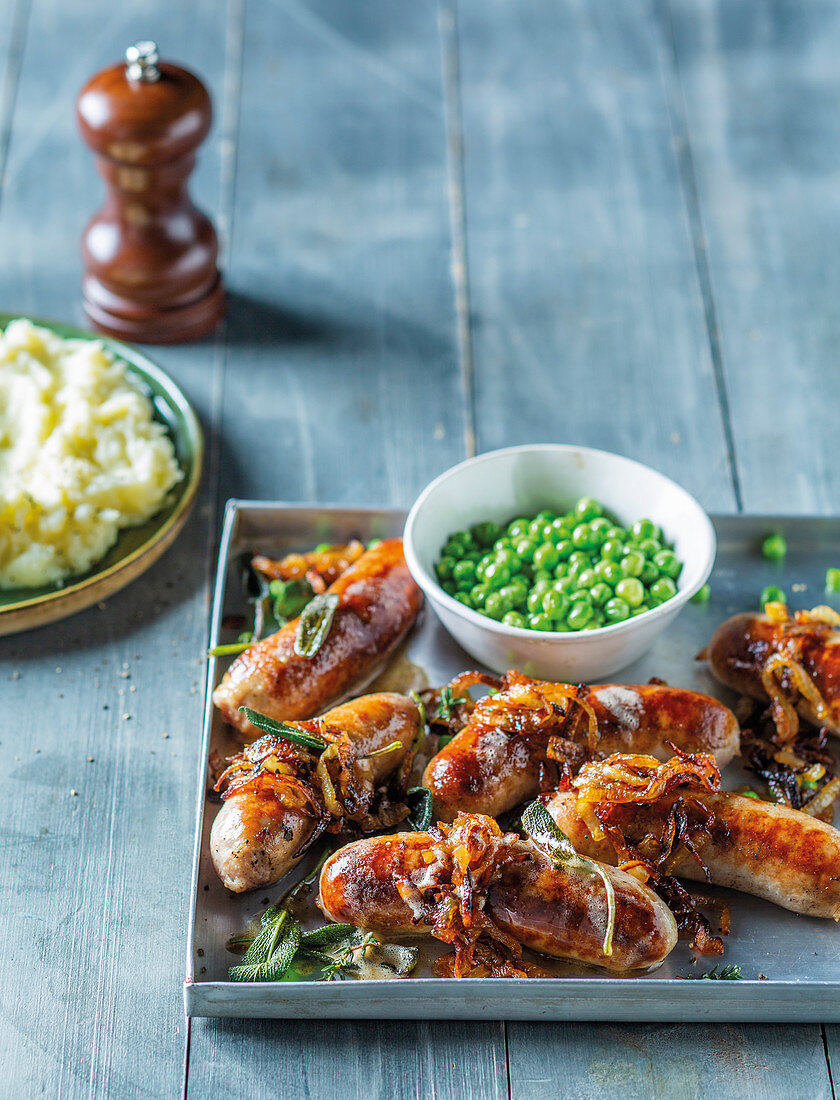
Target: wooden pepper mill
{"x":149,"y":254}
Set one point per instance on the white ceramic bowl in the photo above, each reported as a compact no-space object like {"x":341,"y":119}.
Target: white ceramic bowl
{"x":521,"y":481}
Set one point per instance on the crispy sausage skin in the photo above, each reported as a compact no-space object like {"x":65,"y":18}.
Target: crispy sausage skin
{"x":378,"y":603}
{"x":483,"y":770}
{"x":771,"y":851}
{"x":256,"y":834}
{"x":558,"y":912}
{"x":741,"y":645}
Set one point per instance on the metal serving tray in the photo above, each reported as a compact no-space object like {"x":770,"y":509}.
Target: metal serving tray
{"x":799,"y":956}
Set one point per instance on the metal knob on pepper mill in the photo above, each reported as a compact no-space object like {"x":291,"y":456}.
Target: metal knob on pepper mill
{"x":150,"y":256}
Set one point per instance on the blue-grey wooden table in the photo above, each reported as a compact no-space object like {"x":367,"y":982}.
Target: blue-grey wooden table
{"x":448,"y":227}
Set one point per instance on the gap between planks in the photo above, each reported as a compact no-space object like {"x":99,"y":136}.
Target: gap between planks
{"x":450,"y":79}
{"x":688,"y":182}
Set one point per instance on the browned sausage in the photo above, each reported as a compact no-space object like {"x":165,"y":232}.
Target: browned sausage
{"x":741,"y":645}
{"x":485,"y":770}
{"x":561,"y":913}
{"x":773,"y":852}
{"x":259,"y":829}
{"x":378,"y":603}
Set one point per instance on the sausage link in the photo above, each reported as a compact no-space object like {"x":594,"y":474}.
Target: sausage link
{"x":559,"y":912}
{"x":770,"y":851}
{"x":484,"y":770}
{"x":741,"y":645}
{"x":378,"y":603}
{"x":256,"y":833}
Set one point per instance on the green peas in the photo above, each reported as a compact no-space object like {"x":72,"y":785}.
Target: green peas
{"x":586,"y":578}
{"x":663,"y":589}
{"x":540,"y":622}
{"x":631,"y":590}
{"x":579,"y":614}
{"x":575,"y":571}
{"x":588,"y":508}
{"x":445,"y":567}
{"x":515,"y":594}
{"x":668,"y":563}
{"x":632,"y":564}
{"x":485,"y":534}
{"x":774,"y":547}
{"x":510,"y":559}
{"x":608,"y":572}
{"x":612,"y":549}
{"x":772,"y":594}
{"x":616,"y":610}
{"x":525,"y":549}
{"x":534,"y":601}
{"x":513,"y":618}
{"x":555,"y":603}
{"x":496,"y":573}
{"x":496,"y":605}
{"x":649,"y":547}
{"x":640,"y":610}
{"x":649,"y":573}
{"x":546,"y":556}
{"x":463,"y":573}
{"x":702,"y":594}
{"x":832,"y":580}
{"x":582,"y":536}
{"x":600,"y":594}
{"x":642,"y":529}
{"x":565,"y":548}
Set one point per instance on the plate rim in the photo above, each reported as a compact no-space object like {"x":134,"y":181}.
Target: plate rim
{"x":131,"y":355}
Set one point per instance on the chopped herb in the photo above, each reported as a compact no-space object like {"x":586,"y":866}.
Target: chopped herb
{"x":750,"y":794}
{"x":447,"y":702}
{"x":419,"y":801}
{"x":228,"y":650}
{"x":730,"y":973}
{"x":290,"y":598}
{"x":314,"y":624}
{"x":374,"y":543}
{"x":550,"y":838}
{"x":281,"y":729}
{"x":774,"y":547}
{"x":832,"y":580}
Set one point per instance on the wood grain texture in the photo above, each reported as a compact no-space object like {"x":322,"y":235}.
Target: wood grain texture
{"x":679,"y":1062}
{"x":96,"y":883}
{"x":761,"y":88}
{"x":343,"y":364}
{"x":588,"y":321}
{"x":342,"y":383}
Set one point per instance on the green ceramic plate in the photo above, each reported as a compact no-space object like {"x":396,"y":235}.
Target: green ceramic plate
{"x":137,"y":547}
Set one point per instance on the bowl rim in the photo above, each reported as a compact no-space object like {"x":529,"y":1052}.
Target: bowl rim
{"x":436,"y":593}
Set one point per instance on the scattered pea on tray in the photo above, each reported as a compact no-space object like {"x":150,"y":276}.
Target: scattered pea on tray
{"x":577,"y":571}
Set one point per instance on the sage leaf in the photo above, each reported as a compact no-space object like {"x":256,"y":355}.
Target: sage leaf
{"x":419,"y":801}
{"x":314,"y":624}
{"x":547,"y":835}
{"x":281,"y":729}
{"x":271,"y":954}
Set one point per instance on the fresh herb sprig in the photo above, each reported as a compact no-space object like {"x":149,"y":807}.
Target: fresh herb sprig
{"x":281,"y":729}
{"x":446,"y":704}
{"x":550,"y":838}
{"x":730,"y":973}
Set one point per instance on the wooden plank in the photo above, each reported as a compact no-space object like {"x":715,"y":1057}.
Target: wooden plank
{"x":343,"y":358}
{"x":584,"y":283}
{"x":761,"y":88}
{"x":96,"y":884}
{"x":681,"y":1062}
{"x":342,"y":384}
{"x":588,"y":322}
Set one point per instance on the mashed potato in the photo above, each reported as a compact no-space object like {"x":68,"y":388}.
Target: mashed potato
{"x":80,"y":455}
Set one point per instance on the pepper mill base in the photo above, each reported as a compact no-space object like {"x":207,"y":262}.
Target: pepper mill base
{"x":136,"y":323}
